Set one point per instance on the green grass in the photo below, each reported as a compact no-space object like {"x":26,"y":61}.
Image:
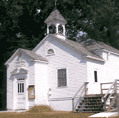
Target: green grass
{"x":45,"y":112}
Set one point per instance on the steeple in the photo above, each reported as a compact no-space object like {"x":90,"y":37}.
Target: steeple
{"x":56,"y":24}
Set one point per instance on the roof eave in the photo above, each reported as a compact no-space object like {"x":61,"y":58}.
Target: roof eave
{"x":110,"y":52}
{"x":6,"y":63}
{"x":63,"y":21}
{"x":94,"y":58}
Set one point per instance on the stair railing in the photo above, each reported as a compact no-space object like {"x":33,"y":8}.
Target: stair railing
{"x":78,"y":96}
{"x":111,"y":91}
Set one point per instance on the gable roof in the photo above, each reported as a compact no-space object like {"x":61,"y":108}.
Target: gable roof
{"x":81,"y":48}
{"x":32,"y":54}
{"x":74,"y":45}
{"x":55,"y":15}
{"x":92,"y":45}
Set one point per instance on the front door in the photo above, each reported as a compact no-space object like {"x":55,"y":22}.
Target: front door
{"x":20,"y":93}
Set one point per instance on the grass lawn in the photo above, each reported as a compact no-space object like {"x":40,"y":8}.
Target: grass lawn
{"x":44,"y":112}
{"x":45,"y":115}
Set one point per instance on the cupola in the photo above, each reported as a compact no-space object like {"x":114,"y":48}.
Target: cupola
{"x":56,"y":24}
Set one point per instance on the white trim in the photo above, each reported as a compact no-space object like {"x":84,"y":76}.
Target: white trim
{"x":6,"y":63}
{"x":94,"y":58}
{"x":98,"y":50}
{"x":110,"y":52}
{"x":39,"y":61}
{"x":19,"y":49}
{"x":66,"y":77}
{"x":17,"y":73}
{"x":50,"y":54}
{"x":41,"y":42}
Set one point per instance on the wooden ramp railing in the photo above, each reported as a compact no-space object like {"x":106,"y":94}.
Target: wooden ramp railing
{"x":79,"y":96}
{"x":111,"y":98}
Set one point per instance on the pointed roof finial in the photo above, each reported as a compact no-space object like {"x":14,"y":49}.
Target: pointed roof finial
{"x":55,"y":4}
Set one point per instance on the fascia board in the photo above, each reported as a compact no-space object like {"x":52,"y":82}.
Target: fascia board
{"x":19,"y":49}
{"x":110,"y":52}
{"x":94,"y":58}
{"x":40,"y":43}
{"x":6,"y":63}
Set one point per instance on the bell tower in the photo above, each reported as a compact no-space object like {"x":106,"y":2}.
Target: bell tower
{"x":56,"y":24}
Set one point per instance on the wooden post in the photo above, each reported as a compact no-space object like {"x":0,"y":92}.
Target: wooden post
{"x":116,"y":96}
{"x":105,"y":104}
{"x":86,"y":88}
{"x":101,"y":87}
{"x":73,"y":104}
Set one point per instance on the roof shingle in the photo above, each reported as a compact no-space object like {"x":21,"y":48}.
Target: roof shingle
{"x":55,"y":15}
{"x":34,"y":55}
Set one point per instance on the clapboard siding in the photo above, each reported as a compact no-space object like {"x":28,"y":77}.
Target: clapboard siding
{"x":9,"y":90}
{"x":41,"y":85}
{"x":107,"y":71}
{"x":10,"y":79}
{"x":31,"y":73}
{"x":31,"y":102}
{"x":111,"y":67}
{"x":11,"y":82}
{"x":64,"y":57}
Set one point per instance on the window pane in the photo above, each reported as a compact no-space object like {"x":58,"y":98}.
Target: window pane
{"x":32,"y":90}
{"x":18,"y":88}
{"x":61,"y":77}
{"x":22,"y":87}
{"x":95,"y":76}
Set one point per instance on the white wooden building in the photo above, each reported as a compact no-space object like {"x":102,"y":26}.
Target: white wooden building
{"x":57,"y":67}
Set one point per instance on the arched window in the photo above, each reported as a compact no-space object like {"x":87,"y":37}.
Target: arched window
{"x":50,"y":51}
{"x":52,"y":29}
{"x":60,"y":29}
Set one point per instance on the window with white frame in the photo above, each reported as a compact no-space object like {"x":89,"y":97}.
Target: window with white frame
{"x":62,"y":79}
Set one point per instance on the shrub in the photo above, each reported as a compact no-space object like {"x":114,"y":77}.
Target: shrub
{"x":41,"y":108}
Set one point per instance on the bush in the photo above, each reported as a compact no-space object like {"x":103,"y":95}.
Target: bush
{"x":41,"y":108}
